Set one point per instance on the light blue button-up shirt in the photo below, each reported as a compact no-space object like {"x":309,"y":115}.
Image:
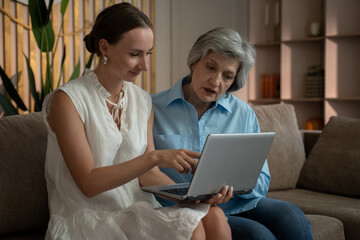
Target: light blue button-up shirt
{"x":176,"y":125}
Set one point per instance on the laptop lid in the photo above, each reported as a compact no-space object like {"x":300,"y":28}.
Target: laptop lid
{"x":227,"y":159}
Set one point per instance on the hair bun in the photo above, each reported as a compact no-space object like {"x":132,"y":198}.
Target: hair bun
{"x":90,"y":42}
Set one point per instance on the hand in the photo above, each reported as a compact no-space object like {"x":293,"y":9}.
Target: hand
{"x":223,"y":196}
{"x":180,"y":159}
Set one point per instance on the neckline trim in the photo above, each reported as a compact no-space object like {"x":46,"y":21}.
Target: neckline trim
{"x":102,"y":90}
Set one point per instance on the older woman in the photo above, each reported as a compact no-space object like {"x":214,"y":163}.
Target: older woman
{"x":200,"y":104}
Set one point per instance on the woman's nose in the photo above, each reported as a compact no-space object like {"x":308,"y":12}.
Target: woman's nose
{"x":143,"y":64}
{"x":215,"y":80}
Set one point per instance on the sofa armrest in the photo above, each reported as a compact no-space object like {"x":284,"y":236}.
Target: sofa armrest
{"x":310,"y":137}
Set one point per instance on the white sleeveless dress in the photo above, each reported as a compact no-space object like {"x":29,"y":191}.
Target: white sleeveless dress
{"x":125,"y":212}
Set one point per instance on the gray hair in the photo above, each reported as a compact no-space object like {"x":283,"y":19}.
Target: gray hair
{"x":227,"y":42}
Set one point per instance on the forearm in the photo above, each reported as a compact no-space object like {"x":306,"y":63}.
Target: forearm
{"x":154,"y":177}
{"x":102,"y":179}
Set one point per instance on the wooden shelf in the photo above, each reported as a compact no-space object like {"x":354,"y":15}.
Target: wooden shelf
{"x":305,"y":40}
{"x":304,"y":100}
{"x":336,"y":49}
{"x":344,"y":99}
{"x":270,"y":44}
{"x":341,"y":36}
{"x":265,"y":101}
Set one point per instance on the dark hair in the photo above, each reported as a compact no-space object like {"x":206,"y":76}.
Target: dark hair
{"x":112,"y":22}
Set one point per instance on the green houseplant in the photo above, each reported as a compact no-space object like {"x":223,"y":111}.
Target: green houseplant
{"x":45,"y":39}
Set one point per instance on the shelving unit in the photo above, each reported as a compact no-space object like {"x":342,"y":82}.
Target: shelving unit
{"x":336,"y":48}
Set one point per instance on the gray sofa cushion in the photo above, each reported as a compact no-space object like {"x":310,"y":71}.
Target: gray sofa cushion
{"x":287,"y":154}
{"x":334,"y":162}
{"x":326,"y":228}
{"x":346,"y":209}
{"x":23,"y":196}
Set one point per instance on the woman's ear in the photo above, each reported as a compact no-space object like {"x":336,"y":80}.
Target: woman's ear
{"x":192,"y":68}
{"x":103,"y":46}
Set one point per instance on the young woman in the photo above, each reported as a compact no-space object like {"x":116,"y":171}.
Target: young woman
{"x":200,"y":104}
{"x":100,"y":144}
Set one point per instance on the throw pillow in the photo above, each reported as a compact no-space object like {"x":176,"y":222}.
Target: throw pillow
{"x":334,"y":163}
{"x":287,"y":155}
{"x":23,"y":196}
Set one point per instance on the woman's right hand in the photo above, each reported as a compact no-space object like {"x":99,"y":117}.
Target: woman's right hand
{"x":223,"y":196}
{"x":180,"y":159}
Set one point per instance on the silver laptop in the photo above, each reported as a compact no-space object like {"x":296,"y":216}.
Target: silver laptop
{"x":227,"y":159}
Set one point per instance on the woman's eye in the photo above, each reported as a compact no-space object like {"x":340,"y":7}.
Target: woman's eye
{"x":149,"y":53}
{"x":210,"y":67}
{"x":229,"y":77}
{"x":134,"y":54}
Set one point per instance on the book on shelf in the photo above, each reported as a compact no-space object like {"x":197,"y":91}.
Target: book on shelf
{"x":270,"y":85}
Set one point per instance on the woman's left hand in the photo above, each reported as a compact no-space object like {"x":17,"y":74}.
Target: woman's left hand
{"x":223,"y":196}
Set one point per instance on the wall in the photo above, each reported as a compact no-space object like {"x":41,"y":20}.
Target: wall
{"x":180,"y":23}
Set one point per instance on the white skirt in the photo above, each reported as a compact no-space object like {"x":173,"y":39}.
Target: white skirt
{"x":139,"y":221}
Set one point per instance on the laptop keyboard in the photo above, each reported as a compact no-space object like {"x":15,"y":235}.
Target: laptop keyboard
{"x":177,"y":191}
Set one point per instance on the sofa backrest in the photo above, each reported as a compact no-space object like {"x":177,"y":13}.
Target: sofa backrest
{"x":287,"y":155}
{"x":23,"y":196}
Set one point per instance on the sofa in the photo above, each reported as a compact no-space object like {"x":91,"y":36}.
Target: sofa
{"x":316,"y":170}
{"x":24,"y":212}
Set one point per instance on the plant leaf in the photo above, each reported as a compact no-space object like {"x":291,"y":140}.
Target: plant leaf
{"x":45,"y":37}
{"x":41,"y":97}
{"x":48,"y":87}
{"x":10,"y":89}
{"x":41,"y":24}
{"x":64,"y":4}
{"x":62,"y":65}
{"x":49,"y":11}
{"x":8,"y":108}
{"x":57,"y":42}
{"x":32,"y":87}
{"x":76,"y":72}
{"x":38,"y":13}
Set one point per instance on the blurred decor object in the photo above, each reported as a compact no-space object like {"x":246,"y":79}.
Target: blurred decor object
{"x":314,"y":27}
{"x":314,"y":124}
{"x":314,"y":78}
{"x":277,"y":22}
{"x":270,"y":85}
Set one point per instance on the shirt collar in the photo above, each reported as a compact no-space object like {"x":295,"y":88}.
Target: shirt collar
{"x":176,"y":93}
{"x":224,"y":101}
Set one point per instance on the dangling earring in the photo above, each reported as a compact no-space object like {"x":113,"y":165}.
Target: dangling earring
{"x":105,"y":60}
